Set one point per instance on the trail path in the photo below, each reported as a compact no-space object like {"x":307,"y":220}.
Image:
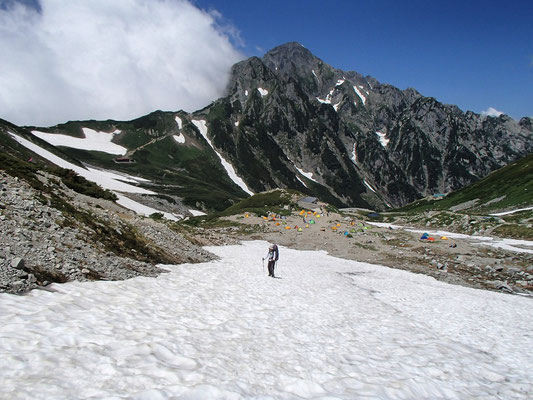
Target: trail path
{"x":329,"y":329}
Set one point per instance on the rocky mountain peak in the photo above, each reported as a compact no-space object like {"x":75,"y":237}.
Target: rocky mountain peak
{"x":290,"y":58}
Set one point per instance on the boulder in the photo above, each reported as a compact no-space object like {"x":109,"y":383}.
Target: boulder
{"x":17,"y":263}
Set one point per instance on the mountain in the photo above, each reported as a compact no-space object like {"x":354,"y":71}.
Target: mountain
{"x":510,"y":187}
{"x":365,"y":143}
{"x":290,"y":120}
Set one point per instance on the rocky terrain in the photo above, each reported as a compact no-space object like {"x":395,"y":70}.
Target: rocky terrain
{"x":458,"y":261}
{"x":57,"y":235}
{"x":40,"y":244}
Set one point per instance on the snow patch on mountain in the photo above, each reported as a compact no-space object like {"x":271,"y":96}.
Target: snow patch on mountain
{"x":197,"y":213}
{"x":369,"y":186}
{"x":180,"y":124}
{"x":106,"y":179}
{"x":511,"y":212}
{"x":179,"y":138}
{"x":340,"y":82}
{"x":327,"y":100}
{"x":236,"y":123}
{"x":93,"y":140}
{"x":263,"y":92}
{"x":301,"y":181}
{"x":141,"y":209}
{"x":361,"y":96}
{"x":313,"y":71}
{"x":202,"y":127}
{"x":354,"y":153}
{"x":246,"y":92}
{"x":308,"y":175}
{"x":383,"y":139}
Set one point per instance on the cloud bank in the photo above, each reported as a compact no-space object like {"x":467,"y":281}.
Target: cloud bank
{"x":492,"y":112}
{"x":101,"y":59}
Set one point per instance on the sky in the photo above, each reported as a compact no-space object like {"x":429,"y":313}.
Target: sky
{"x":98,"y":59}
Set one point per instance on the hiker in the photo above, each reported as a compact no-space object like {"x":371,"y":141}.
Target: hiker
{"x":272,"y":256}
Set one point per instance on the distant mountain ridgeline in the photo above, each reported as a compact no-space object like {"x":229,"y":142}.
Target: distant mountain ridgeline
{"x":290,"y":120}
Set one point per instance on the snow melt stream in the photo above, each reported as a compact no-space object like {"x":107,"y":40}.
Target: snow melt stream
{"x":329,"y":329}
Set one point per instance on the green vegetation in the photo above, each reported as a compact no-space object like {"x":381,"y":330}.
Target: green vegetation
{"x":508,"y":187}
{"x":191,"y":173}
{"x":81,"y":185}
{"x":260,"y":204}
{"x":514,"y":231}
{"x":27,"y":171}
{"x":123,"y":240}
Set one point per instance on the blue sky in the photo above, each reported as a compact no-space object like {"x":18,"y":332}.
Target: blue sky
{"x":99,"y":59}
{"x":476,"y":54}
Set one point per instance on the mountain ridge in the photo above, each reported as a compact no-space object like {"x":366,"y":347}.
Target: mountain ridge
{"x":290,"y":120}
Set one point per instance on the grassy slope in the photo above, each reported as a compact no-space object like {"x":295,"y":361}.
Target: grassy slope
{"x":514,"y":181}
{"x":188,"y":171}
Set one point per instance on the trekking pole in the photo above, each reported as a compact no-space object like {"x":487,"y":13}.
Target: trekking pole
{"x":263,"y":265}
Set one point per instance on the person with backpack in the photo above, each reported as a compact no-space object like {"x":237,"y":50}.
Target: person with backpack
{"x":272,"y":257}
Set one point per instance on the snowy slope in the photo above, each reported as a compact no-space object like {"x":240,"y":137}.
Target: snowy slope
{"x":202,"y":127}
{"x":107,"y":179}
{"x":329,"y":329}
{"x":93,"y":140}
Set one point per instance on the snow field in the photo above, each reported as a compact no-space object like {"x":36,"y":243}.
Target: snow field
{"x":106,"y":179}
{"x":93,"y":140}
{"x":141,"y":209}
{"x":329,"y":329}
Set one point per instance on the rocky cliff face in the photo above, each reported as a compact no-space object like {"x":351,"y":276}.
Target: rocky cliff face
{"x":291,"y":120}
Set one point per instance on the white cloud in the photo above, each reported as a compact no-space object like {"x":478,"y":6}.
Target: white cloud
{"x":119,"y":59}
{"x":492,"y":112}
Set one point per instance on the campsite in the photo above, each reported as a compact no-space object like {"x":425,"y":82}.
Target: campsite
{"x":470,"y":260}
